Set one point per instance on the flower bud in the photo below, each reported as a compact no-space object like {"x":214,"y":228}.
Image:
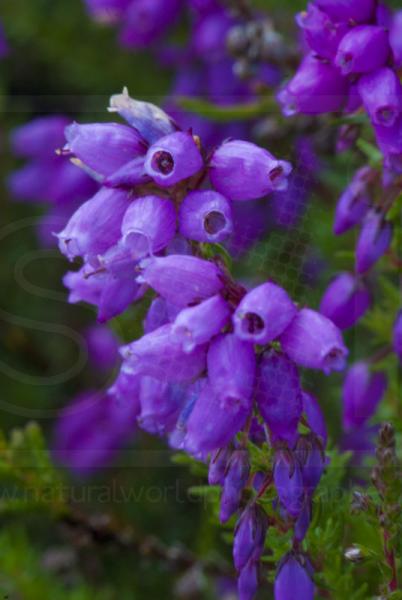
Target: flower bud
{"x":381,"y":93}
{"x":354,"y":201}
{"x":243,"y":171}
{"x":218,"y":466}
{"x":247,"y":584}
{"x":293,"y":575}
{"x":231,"y":370}
{"x":278,"y":395}
{"x":148,"y":226}
{"x":289,"y":484}
{"x":249,"y":536}
{"x":104,"y":147}
{"x":198,"y":324}
{"x":263,"y":314}
{"x":359,"y":11}
{"x":173,"y":158}
{"x":397,"y":336}
{"x":318,"y":87}
{"x":180,"y":279}
{"x":363,"y":49}
{"x":313,"y":341}
{"x":315,"y":417}
{"x":374,"y":240}
{"x":362,"y":392}
{"x":345,"y":300}
{"x":235,"y":479}
{"x":160,"y":355}
{"x":205,"y":216}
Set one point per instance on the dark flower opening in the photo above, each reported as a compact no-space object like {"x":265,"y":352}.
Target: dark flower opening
{"x":252,"y":323}
{"x":346,"y":59}
{"x":386,"y":114}
{"x":276,"y":174}
{"x":214,"y":222}
{"x":163,"y":162}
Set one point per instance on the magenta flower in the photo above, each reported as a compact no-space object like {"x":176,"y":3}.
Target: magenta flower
{"x":205,"y":216}
{"x":363,"y":49}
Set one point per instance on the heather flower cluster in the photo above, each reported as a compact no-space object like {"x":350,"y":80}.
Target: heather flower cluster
{"x":218,"y":363}
{"x":353,"y":56}
{"x":352,"y":62}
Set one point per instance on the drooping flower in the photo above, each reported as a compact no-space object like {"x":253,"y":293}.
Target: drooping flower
{"x":243,"y":171}
{"x":293,"y":574}
{"x":313,"y":341}
{"x":362,"y":391}
{"x":345,"y":300}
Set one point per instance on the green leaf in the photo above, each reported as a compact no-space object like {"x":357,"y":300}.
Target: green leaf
{"x":229,"y":113}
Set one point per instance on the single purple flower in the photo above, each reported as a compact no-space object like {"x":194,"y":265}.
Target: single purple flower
{"x":180,"y":279}
{"x":303,"y":521}
{"x":360,"y":11}
{"x":160,"y":355}
{"x":354,"y":202}
{"x":205,"y":216}
{"x":314,"y":416}
{"x":95,"y":226}
{"x":249,"y":536}
{"x":389,"y":140}
{"x":313,"y":341}
{"x":211,"y":424}
{"x":363,"y":49}
{"x":345,"y":300}
{"x":243,"y":171}
{"x":247,"y":584}
{"x":362,"y":392}
{"x":312,"y":461}
{"x":381,"y":93}
{"x":218,"y":465}
{"x":318,"y":87}
{"x":374,"y":240}
{"x":196,"y":325}
{"x":397,"y":336}
{"x":104,"y":147}
{"x":289,"y":483}
{"x":231,"y":371}
{"x":279,"y":395}
{"x":293,"y":574}
{"x":173,"y":158}
{"x":263,"y":314}
{"x":112,"y":296}
{"x":161,"y":404}
{"x":148,"y":225}
{"x":236,"y":477}
{"x":321,"y":34}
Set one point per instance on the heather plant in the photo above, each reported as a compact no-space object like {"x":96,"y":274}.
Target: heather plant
{"x":241,"y":322}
